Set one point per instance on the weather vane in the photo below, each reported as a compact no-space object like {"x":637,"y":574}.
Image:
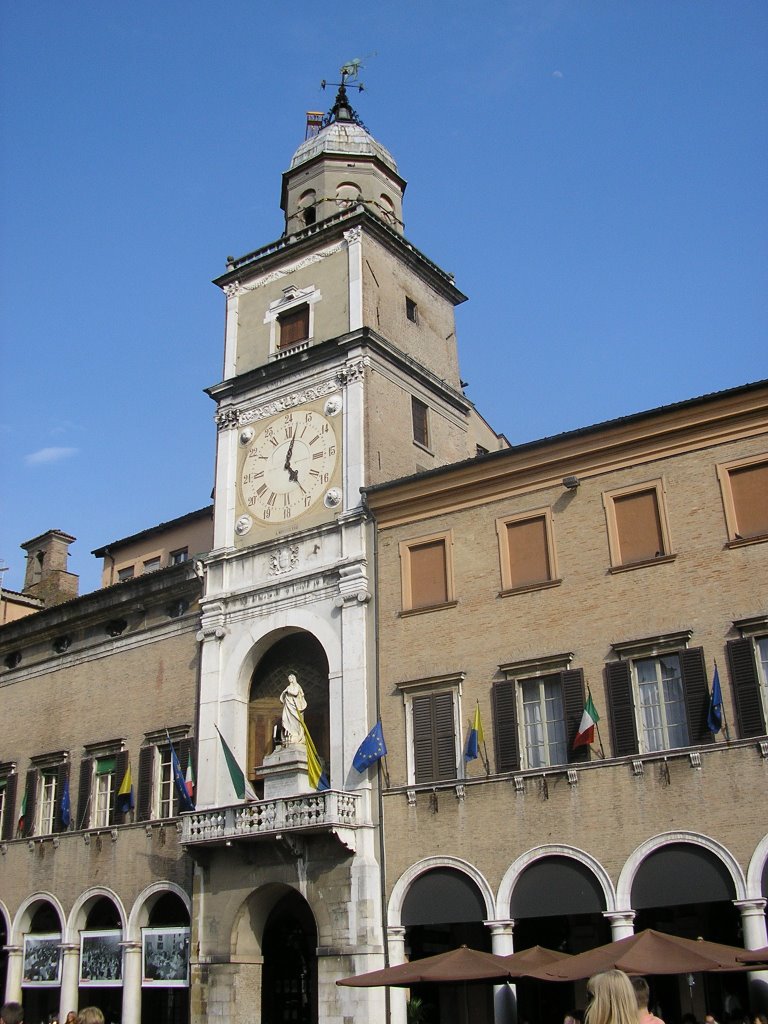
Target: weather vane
{"x":349,"y":73}
{"x":342,"y":109}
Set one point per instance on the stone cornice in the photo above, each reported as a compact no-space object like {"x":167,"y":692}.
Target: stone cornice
{"x":591,"y":451}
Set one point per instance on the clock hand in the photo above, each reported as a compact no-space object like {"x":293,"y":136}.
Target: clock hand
{"x":288,"y":455}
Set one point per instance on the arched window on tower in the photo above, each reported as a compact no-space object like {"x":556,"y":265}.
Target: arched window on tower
{"x":347,"y":194}
{"x":302,"y":655}
{"x":307,"y":207}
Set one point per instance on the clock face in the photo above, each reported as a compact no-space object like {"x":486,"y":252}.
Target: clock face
{"x":288,"y":466}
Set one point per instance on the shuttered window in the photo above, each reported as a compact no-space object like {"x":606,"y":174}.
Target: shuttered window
{"x":294,"y":326}
{"x":434,"y":737}
{"x":638,"y":526}
{"x":7,"y":822}
{"x":428,"y":572}
{"x":527,"y":549}
{"x":551,"y":706}
{"x":658,"y":703}
{"x":749,"y":490}
{"x":420,"y":422}
{"x":748,"y":664}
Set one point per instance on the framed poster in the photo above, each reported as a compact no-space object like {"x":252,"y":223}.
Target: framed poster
{"x":42,"y":960}
{"x":165,"y":957}
{"x":101,"y":958}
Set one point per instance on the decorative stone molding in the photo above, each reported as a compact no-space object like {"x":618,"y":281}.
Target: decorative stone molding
{"x":353,"y":586}
{"x":637,"y":767}
{"x":573,"y":777}
{"x":289,"y":401}
{"x":284,"y":560}
{"x":225,"y":419}
{"x":353,"y":235}
{"x":232,"y":289}
{"x":353,"y":372}
{"x":210,"y":633}
{"x":315,"y":257}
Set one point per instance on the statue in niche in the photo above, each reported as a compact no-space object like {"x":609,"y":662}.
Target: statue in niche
{"x":294,"y":704}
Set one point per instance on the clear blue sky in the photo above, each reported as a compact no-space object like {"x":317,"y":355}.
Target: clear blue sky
{"x":592,"y":171}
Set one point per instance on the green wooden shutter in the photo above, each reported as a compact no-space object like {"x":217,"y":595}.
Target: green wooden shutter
{"x":618,"y":677}
{"x":746,"y":688}
{"x":506,"y":742}
{"x":573,"y":700}
{"x":694,"y":673}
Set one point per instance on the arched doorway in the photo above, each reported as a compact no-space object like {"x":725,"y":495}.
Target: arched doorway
{"x":41,"y":979}
{"x":101,"y":959}
{"x":302,"y":655}
{"x":289,"y":974}
{"x":557,"y":902}
{"x":165,"y":962}
{"x":686,"y":889}
{"x":443,"y":909}
{"x":3,"y":953}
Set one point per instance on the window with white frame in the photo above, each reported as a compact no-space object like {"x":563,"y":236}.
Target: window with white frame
{"x":166,"y":801}
{"x":46,"y":801}
{"x":103,"y":791}
{"x":433,"y":730}
{"x":660,"y":702}
{"x":546,"y":741}
{"x":748,"y":666}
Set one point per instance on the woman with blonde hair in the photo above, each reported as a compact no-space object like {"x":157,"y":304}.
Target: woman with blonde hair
{"x":611,"y":998}
{"x":90,"y":1015}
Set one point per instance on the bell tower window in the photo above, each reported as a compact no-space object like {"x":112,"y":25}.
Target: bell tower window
{"x":294,"y":326}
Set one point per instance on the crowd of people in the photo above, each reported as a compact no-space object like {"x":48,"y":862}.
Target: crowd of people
{"x":13,"y":1013}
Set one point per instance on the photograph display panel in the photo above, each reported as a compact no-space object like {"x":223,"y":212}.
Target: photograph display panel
{"x":42,"y":960}
{"x":165,"y":957}
{"x":101,"y":958}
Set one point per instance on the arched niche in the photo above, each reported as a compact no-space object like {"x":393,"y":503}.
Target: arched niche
{"x":681,"y":873}
{"x":554,"y":887}
{"x":96,"y":908}
{"x":442,"y":895}
{"x":302,"y":655}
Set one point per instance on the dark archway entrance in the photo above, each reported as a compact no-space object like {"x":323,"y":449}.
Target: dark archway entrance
{"x":3,"y":955}
{"x":95,"y":963}
{"x":289,"y":974}
{"x":558,"y":903}
{"x":303,"y":655}
{"x":168,"y":1004}
{"x":40,"y":997}
{"x":444,"y":909}
{"x":686,"y":890}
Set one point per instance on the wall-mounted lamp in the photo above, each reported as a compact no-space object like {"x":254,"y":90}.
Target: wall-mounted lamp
{"x":571,"y":482}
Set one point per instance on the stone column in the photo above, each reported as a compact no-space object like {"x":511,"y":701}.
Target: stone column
{"x":755,"y":937}
{"x":14,"y":975}
{"x":131,"y":983}
{"x":622,"y":923}
{"x":70,"y":978}
{"x":504,"y":996}
{"x":397,"y":1000}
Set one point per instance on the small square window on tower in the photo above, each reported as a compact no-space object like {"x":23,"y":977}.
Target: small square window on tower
{"x":420,"y":422}
{"x":294,"y":326}
{"x":411,"y":310}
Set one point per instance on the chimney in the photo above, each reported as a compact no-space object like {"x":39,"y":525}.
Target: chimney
{"x":46,"y":576}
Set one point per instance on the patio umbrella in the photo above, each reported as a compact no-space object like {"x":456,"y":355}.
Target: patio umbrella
{"x":462,"y":964}
{"x":533,"y":959}
{"x":647,"y":952}
{"x":754,"y":956}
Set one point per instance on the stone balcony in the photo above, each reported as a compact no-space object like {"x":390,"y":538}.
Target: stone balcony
{"x":330,"y":812}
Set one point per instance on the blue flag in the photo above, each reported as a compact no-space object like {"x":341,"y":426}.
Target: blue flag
{"x":66,"y":810}
{"x":371,"y":750}
{"x":185,"y":801}
{"x":715,"y":716}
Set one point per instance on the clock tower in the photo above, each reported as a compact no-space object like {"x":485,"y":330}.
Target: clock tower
{"x":340,"y":371}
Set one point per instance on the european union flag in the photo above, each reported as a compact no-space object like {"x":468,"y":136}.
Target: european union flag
{"x":66,"y":809}
{"x":179,"y":783}
{"x":715,"y":716}
{"x":371,"y":750}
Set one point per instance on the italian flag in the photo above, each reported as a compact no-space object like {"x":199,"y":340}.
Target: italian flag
{"x":589,"y":719}
{"x":22,"y":815}
{"x":189,"y":779}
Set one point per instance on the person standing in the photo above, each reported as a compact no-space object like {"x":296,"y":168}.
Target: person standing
{"x":11,"y":1013}
{"x":612,"y":999}
{"x":640,"y":985}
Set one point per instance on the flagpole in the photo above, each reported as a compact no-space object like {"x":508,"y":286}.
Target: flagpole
{"x":597,"y":725}
{"x":486,"y":762}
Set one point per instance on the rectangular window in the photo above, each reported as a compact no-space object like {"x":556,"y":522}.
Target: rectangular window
{"x":411,"y":310}
{"x":126,"y":573}
{"x":526,"y":550}
{"x":744,"y":485}
{"x":427,"y":577}
{"x":536,"y":718}
{"x":294,"y":326}
{"x":657,"y":701}
{"x":544,"y":722}
{"x":46,"y":801}
{"x":152,"y":564}
{"x":165,"y":795}
{"x":179,"y":556}
{"x":637,"y":525}
{"x":661,"y":703}
{"x":748,"y":664}
{"x":420,"y":422}
{"x":103,"y":791}
{"x":156,"y":793}
{"x":434,"y":737}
